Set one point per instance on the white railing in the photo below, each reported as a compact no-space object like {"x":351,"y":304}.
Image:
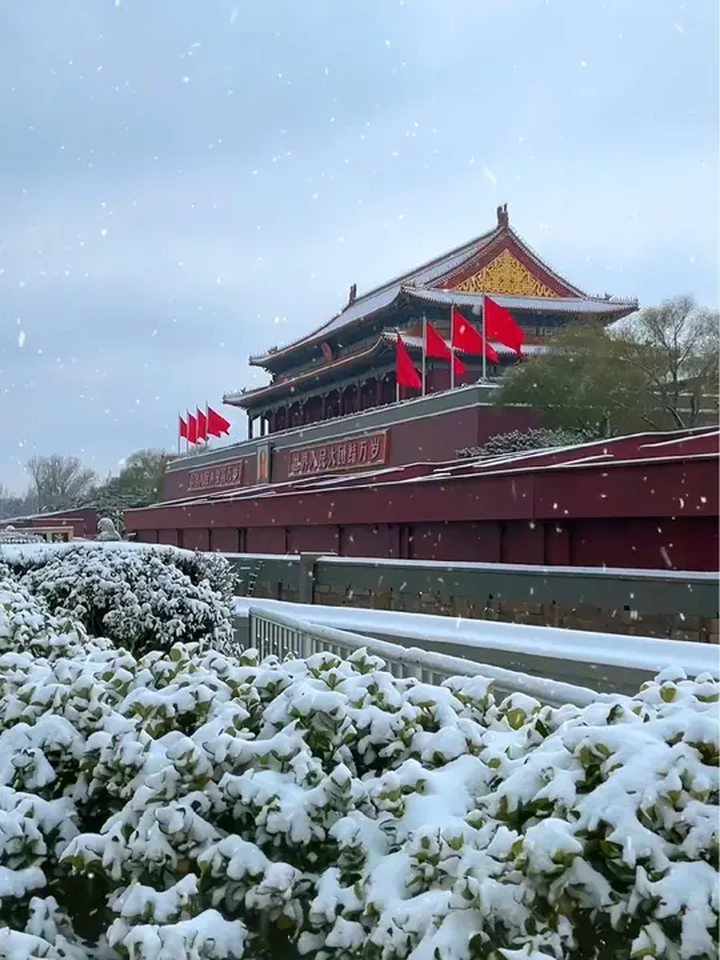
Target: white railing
{"x":276,"y":634}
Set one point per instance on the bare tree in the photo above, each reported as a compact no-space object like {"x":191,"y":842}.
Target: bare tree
{"x":675,"y":346}
{"x":59,"y":483}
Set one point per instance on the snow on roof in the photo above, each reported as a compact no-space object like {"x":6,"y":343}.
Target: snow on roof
{"x":420,"y":281}
{"x":589,"y":305}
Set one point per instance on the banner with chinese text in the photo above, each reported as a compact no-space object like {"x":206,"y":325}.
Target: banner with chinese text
{"x":335,"y":455}
{"x":216,"y":478}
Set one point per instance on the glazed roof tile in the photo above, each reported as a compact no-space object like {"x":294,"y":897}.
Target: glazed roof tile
{"x":590,"y":305}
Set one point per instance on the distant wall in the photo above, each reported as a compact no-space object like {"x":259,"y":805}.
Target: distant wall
{"x":83,"y":522}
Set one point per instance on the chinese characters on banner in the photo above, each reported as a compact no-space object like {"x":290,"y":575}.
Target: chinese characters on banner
{"x":213,"y":478}
{"x":339,"y":455}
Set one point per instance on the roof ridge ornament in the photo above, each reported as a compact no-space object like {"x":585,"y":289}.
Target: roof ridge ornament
{"x":503,"y":217}
{"x":352,"y":296}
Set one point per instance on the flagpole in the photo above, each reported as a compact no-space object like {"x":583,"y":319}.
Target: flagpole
{"x":178,"y":426}
{"x":397,"y":382}
{"x":424,"y":354}
{"x":484,"y":337}
{"x":452,"y":354}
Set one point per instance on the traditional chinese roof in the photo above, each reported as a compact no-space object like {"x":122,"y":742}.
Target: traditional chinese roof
{"x":336,"y":368}
{"x":330,"y":371}
{"x":498,"y":263}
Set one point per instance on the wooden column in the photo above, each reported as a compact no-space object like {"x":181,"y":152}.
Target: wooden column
{"x":250,"y":426}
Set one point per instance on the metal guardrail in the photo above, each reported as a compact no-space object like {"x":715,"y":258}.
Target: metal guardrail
{"x":275,"y":634}
{"x":617,"y":592}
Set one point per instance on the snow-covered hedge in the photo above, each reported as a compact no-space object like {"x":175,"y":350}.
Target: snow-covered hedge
{"x":188,"y":805}
{"x":520,"y":441}
{"x":143,"y":598}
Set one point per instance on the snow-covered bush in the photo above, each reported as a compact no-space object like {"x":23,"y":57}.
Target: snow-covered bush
{"x":143,"y":598}
{"x":189,"y":805}
{"x":520,"y":441}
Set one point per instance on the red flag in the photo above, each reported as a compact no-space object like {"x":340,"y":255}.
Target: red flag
{"x":217,"y":425}
{"x":436,"y":347}
{"x":191,"y":429}
{"x":183,"y":429}
{"x":500,"y":325}
{"x":202,"y":425}
{"x":465,"y":337}
{"x":406,"y":373}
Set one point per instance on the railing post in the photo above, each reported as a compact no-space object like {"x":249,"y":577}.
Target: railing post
{"x":306,"y":574}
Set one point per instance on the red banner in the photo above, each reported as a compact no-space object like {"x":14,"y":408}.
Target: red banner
{"x":340,"y":455}
{"x":215,"y":478}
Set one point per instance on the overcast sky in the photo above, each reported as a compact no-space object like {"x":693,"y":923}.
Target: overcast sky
{"x":186,"y":182}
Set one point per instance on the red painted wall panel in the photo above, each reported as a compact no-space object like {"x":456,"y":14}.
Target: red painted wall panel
{"x":522,"y":541}
{"x":685,"y":543}
{"x":557,"y":544}
{"x":643,"y":490}
{"x":266,"y":540}
{"x":147,"y":536}
{"x":478,"y":542}
{"x":169,"y":536}
{"x":196,"y":539}
{"x":365,"y":540}
{"x":225,"y":539}
{"x":313,"y":539}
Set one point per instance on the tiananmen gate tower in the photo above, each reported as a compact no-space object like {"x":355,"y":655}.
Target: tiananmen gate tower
{"x":338,"y":460}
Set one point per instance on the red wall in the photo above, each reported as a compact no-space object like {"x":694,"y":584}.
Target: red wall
{"x":83,"y":522}
{"x":270,"y":539}
{"x":434,"y":439}
{"x":645,"y":515}
{"x":684,"y":544}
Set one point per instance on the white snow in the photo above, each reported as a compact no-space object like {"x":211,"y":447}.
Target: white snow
{"x":207,"y":802}
{"x":646,"y":654}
